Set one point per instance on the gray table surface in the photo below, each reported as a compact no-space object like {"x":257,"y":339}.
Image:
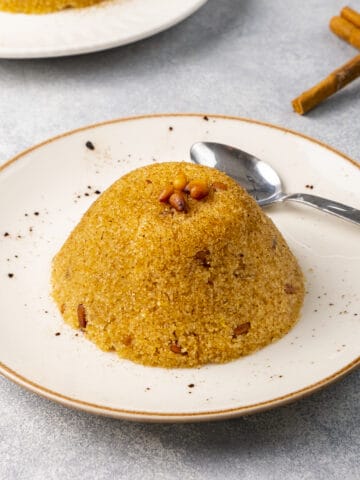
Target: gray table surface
{"x":238,"y":57}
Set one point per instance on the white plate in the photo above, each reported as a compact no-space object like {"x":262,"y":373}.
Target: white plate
{"x":49,"y":178}
{"x":74,"y":31}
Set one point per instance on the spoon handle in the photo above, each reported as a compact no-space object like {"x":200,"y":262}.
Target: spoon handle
{"x":329,"y":206}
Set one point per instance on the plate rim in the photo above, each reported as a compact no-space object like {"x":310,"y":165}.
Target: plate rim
{"x":179,"y":417}
{"x":35,"y":52}
{"x":169,"y":417}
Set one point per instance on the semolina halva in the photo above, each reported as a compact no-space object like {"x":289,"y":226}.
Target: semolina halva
{"x":175,"y":265}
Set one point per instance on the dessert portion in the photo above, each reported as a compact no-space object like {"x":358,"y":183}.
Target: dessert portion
{"x":43,"y":6}
{"x":175,"y":265}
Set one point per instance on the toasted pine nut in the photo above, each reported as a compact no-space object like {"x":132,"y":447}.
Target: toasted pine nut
{"x":175,"y":348}
{"x":198,"y":189}
{"x":219,"y":186}
{"x":289,"y":289}
{"x":242,"y":329}
{"x":180,"y":181}
{"x":166,"y":193}
{"x":81,"y":314}
{"x":127,"y":340}
{"x":177,"y":200}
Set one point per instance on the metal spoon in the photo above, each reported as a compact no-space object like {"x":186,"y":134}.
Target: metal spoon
{"x":261,"y":180}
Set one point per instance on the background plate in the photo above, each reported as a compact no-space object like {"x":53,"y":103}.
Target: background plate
{"x":73,"y":31}
{"x":45,"y":190}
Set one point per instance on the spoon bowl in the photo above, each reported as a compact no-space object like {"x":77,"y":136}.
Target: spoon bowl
{"x":257,"y":177}
{"x":260,"y":180}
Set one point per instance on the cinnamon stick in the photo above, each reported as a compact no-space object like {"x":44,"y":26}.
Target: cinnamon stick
{"x":345,"y":30}
{"x":337,"y":80}
{"x":351,"y":16}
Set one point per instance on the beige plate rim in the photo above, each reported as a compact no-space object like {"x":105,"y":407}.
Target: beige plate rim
{"x":91,"y":47}
{"x":174,"y":417}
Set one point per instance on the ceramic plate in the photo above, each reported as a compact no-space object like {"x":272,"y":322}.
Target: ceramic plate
{"x":44,"y":192}
{"x":74,"y":31}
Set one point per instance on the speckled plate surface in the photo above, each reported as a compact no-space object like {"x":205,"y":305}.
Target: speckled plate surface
{"x":74,"y":31}
{"x":45,"y":190}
